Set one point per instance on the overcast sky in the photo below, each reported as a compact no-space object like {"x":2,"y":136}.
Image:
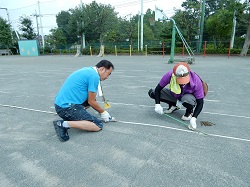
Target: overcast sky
{"x":49,"y":9}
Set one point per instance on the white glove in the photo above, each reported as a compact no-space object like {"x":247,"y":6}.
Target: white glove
{"x":193,"y":122}
{"x":158,"y":109}
{"x":105,"y":116}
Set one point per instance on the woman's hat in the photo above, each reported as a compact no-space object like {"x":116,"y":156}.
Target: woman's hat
{"x":181,"y":71}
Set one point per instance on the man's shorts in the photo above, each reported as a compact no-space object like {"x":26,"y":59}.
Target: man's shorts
{"x":77,"y":112}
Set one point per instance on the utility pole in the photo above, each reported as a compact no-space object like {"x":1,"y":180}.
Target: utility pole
{"x":197,"y":37}
{"x":6,"y":13}
{"x":201,"y":25}
{"x":141,"y":25}
{"x":8,"y":22}
{"x":41,"y":23}
{"x":36,"y":15}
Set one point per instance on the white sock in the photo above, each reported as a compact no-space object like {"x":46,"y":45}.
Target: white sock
{"x":66,"y":124}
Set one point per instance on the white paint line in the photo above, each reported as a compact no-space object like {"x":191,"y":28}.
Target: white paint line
{"x":23,"y":108}
{"x":136,"y":123}
{"x":213,"y":113}
{"x":5,"y":92}
{"x":231,"y":115}
{"x":212,"y":100}
{"x":165,"y":127}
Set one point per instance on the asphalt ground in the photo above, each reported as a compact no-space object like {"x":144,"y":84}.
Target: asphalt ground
{"x":142,"y":149}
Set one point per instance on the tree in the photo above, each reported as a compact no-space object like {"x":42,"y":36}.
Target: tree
{"x":57,"y":38}
{"x":96,"y":21}
{"x":219,"y":26}
{"x":5,"y":33}
{"x":26,"y":28}
{"x":62,"y":20}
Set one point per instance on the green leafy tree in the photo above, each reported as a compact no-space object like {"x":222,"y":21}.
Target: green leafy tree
{"x":62,"y":20}
{"x":5,"y":33}
{"x":216,"y":5}
{"x":166,"y":34}
{"x":95,"y":20}
{"x":148,"y":29}
{"x":219,"y":26}
{"x":57,"y":38}
{"x":26,"y":27}
{"x":188,"y":20}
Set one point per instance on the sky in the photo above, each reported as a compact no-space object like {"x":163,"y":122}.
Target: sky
{"x":50,"y":8}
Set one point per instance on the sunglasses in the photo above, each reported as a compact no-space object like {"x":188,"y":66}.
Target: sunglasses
{"x":182,"y":75}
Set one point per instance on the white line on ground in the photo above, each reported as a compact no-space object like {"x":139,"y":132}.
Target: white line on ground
{"x":136,"y":123}
{"x":165,"y":127}
{"x":213,"y":113}
{"x":226,"y":115}
{"x":30,"y":109}
{"x":5,"y":92}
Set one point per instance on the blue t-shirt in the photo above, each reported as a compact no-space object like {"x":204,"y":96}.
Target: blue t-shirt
{"x":76,"y":87}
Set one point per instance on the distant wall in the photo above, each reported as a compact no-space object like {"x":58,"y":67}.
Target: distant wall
{"x":28,"y":47}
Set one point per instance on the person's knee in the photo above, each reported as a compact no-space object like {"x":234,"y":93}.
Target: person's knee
{"x":98,"y":126}
{"x":188,"y":106}
{"x":96,"y":129}
{"x":151,"y":93}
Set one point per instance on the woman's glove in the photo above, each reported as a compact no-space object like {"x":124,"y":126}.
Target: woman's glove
{"x":158,"y":109}
{"x":192,"y":123}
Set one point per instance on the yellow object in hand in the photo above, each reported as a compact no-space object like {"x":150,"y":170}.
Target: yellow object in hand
{"x":106,"y":105}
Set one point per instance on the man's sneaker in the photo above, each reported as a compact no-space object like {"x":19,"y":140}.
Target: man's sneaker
{"x":186,"y":118}
{"x":171,"y":109}
{"x":192,"y":127}
{"x":62,"y":132}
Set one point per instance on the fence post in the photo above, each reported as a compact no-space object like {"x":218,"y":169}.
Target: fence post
{"x":229,"y":50}
{"x":146,"y":47}
{"x":163,"y":50}
{"x":90,"y":51}
{"x":51,"y":51}
{"x":130,"y":50}
{"x":205,"y":48}
{"x":115,"y":51}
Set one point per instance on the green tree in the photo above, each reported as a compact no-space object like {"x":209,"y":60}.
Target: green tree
{"x":62,"y":20}
{"x":219,"y":26}
{"x":57,"y":38}
{"x":96,"y":21}
{"x":188,"y":20}
{"x":26,"y":28}
{"x":5,"y":33}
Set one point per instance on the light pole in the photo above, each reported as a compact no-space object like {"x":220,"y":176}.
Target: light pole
{"x":8,"y":21}
{"x":36,"y":15}
{"x":141,"y":25}
{"x":201,"y":25}
{"x":6,"y":13}
{"x":138,"y":32}
{"x":41,"y":26}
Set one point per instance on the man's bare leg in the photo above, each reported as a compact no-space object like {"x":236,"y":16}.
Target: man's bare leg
{"x":84,"y":125}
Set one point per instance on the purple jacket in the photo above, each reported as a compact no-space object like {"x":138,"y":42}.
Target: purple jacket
{"x":193,"y":87}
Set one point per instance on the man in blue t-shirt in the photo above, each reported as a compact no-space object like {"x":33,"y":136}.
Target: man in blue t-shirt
{"x":180,"y":87}
{"x":77,"y":93}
